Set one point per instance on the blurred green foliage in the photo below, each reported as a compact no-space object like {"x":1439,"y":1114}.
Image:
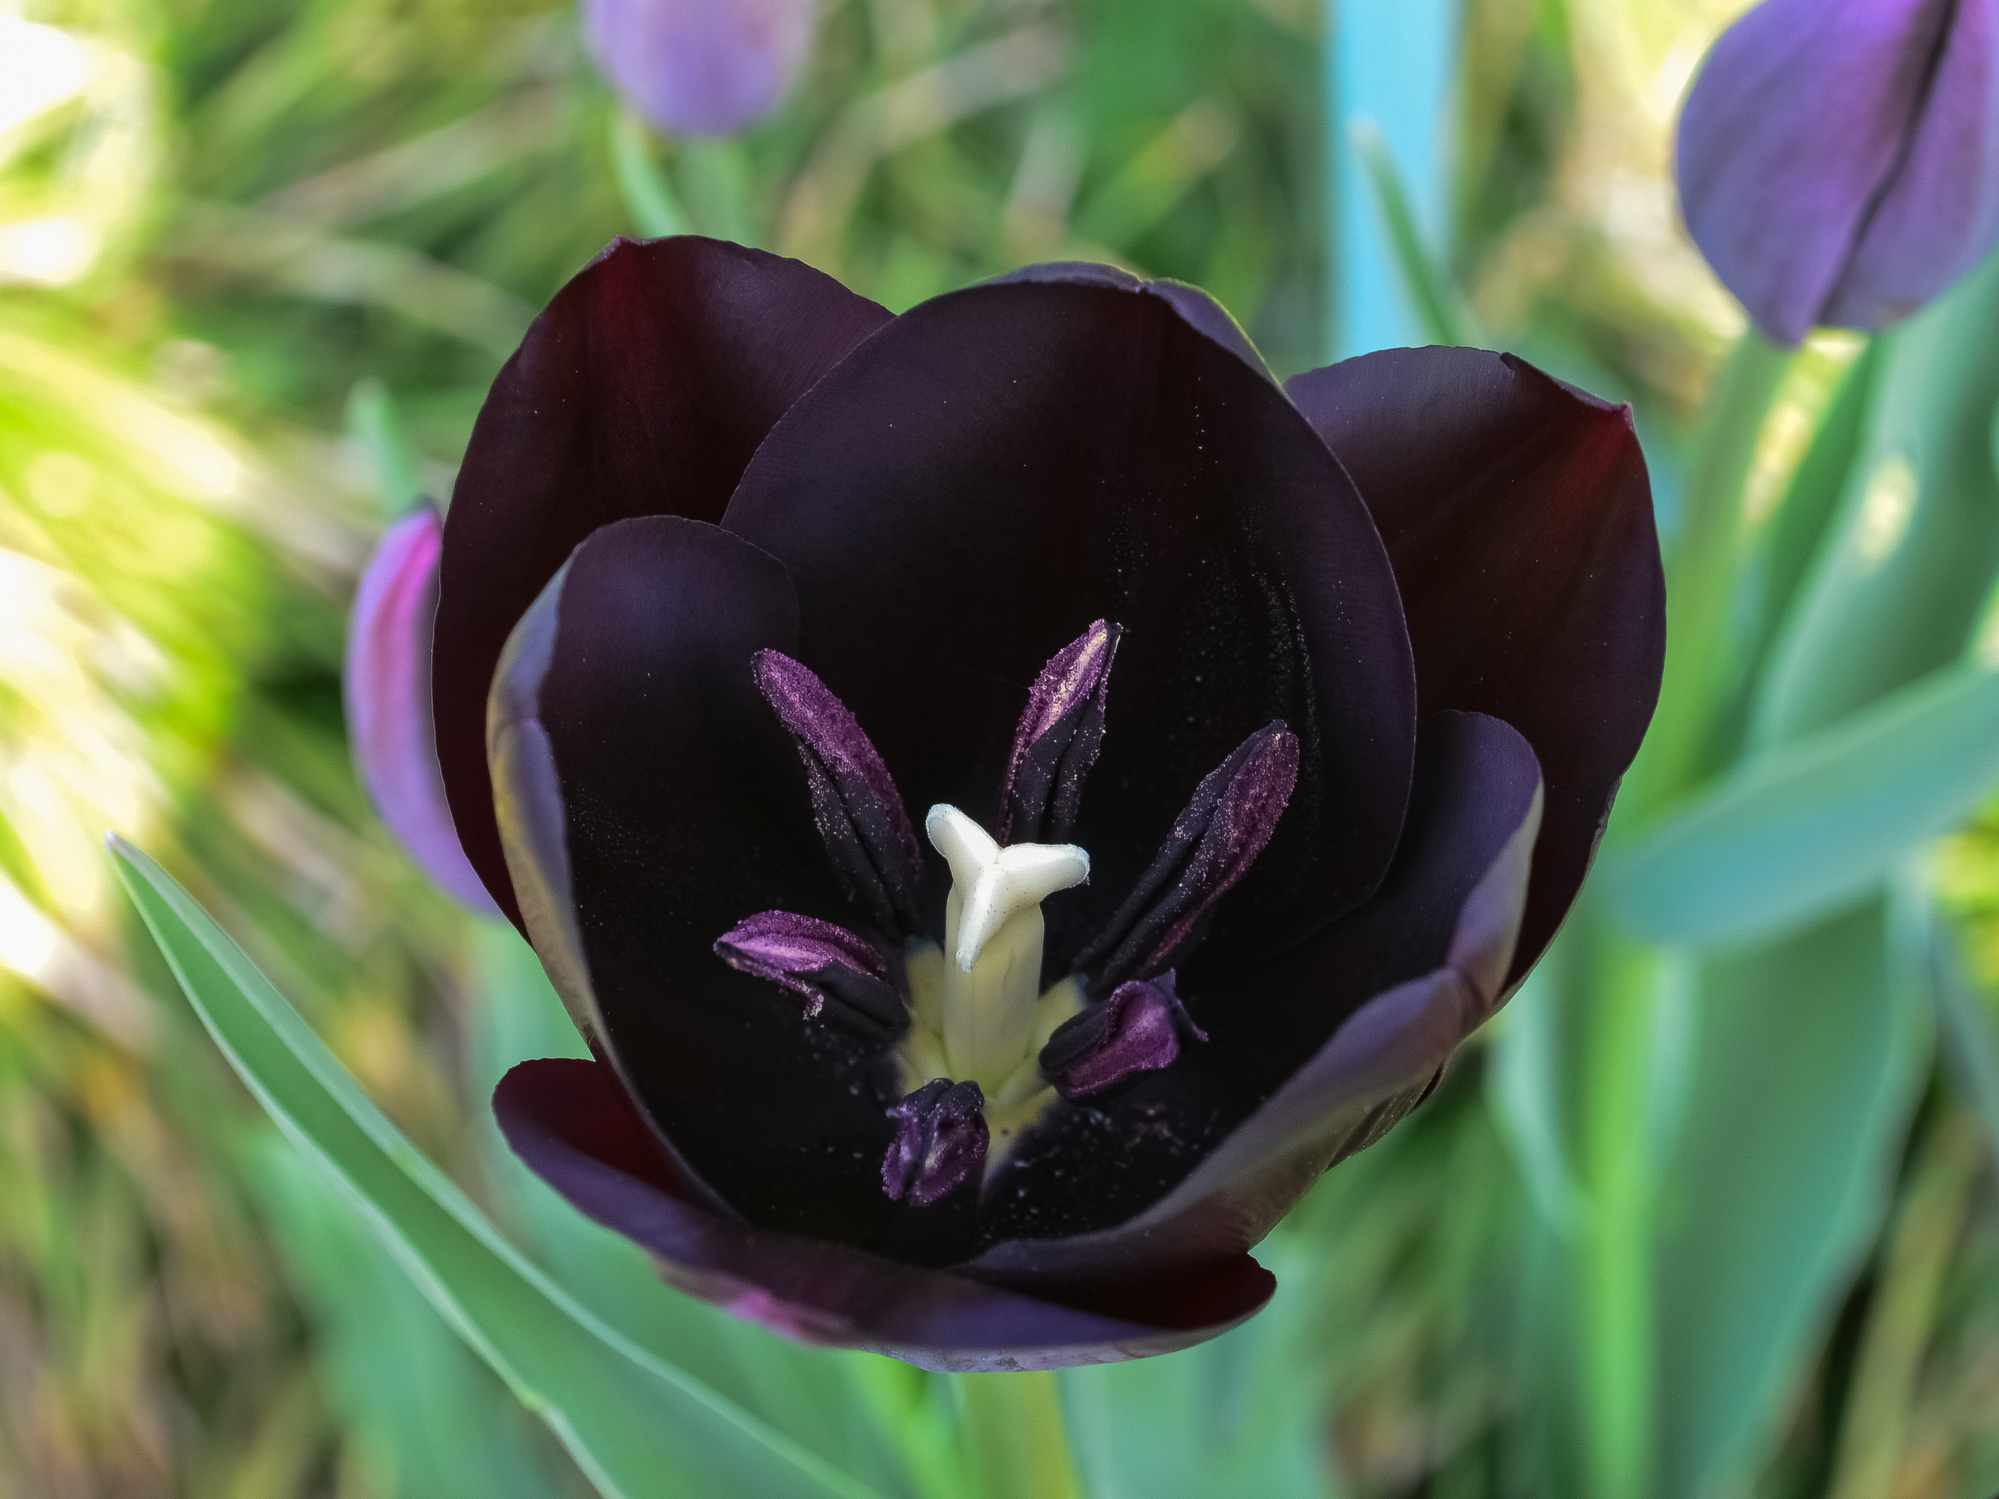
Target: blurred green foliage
{"x":259,"y":262}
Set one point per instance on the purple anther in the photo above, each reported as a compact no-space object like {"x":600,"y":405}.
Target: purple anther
{"x":839,"y":975}
{"x":1058,"y":739}
{"x":1212,"y":846}
{"x":940,"y":1140}
{"x":1138,"y":1028}
{"x":858,"y":811}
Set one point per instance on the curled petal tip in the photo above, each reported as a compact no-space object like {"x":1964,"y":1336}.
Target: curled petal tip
{"x":706,"y":67}
{"x":389,"y":722}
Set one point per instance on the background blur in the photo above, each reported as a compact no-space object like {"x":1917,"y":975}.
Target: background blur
{"x":260,"y":259}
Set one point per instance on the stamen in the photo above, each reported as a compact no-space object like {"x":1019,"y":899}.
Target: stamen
{"x":1139,"y":1028}
{"x":940,"y":1140}
{"x":837,"y":973}
{"x":1058,"y":739}
{"x":992,"y":941}
{"x":1212,"y":846}
{"x":855,"y":805}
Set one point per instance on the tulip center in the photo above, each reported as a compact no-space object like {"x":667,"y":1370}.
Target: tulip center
{"x":979,"y":1011}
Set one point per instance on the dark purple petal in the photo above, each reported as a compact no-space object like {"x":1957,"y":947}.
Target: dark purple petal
{"x":572,"y":1124}
{"x":655,"y":803}
{"x":940,"y":1141}
{"x":855,"y":805}
{"x":701,"y":66}
{"x":1058,"y":740}
{"x":641,"y":390}
{"x":1196,"y":1163}
{"x":1002,"y":465}
{"x":1137,"y":1028}
{"x":1519,"y":516}
{"x":1839,"y":159}
{"x":1213,"y":844}
{"x":820,"y":962}
{"x":387,"y":684}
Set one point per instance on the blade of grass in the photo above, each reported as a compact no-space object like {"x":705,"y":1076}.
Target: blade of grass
{"x":636,"y":1425}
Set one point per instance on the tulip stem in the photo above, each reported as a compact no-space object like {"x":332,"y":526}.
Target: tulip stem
{"x":1705,"y":560}
{"x":1015,"y":1443}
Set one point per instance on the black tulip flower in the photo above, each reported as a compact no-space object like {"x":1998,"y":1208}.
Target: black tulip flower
{"x":1839,"y":159}
{"x":1007,"y":805}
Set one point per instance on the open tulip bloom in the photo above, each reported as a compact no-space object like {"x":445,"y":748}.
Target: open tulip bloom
{"x":1010,"y":793}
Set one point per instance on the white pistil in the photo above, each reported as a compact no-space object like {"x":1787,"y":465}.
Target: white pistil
{"x":992,"y":933}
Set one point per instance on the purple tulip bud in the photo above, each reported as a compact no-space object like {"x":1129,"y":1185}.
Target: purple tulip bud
{"x":706,"y":67}
{"x":389,"y":720}
{"x":1839,"y":159}
{"x":1137,"y":1029}
{"x":819,"y":961}
{"x":1058,"y":739}
{"x":940,"y":1140}
{"x":1212,"y":846}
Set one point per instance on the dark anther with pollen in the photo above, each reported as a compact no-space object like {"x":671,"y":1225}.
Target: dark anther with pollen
{"x":1058,"y":739}
{"x":940,"y":1140}
{"x":1138,"y":1028}
{"x":1212,"y":845}
{"x":855,"y":805}
{"x":839,"y":975}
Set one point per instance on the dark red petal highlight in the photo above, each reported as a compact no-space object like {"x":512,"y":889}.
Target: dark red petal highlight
{"x":838,"y":974}
{"x":643,"y":389}
{"x":1519,"y":517}
{"x":572,"y":1124}
{"x":1058,"y":740}
{"x":1214,"y":842}
{"x":1137,"y":1028}
{"x":855,"y":805}
{"x":940,"y":1141}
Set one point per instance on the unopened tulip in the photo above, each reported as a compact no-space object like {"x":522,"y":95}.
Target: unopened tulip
{"x":1839,"y":159}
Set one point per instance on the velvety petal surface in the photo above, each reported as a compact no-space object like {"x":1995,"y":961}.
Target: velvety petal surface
{"x":642,"y":389}
{"x":1519,"y":517}
{"x":572,"y":1124}
{"x":679,"y":811}
{"x":387,"y":686}
{"x":962,"y":497}
{"x":705,"y":66}
{"x":1838,"y":160}
{"x":1196,"y":1163}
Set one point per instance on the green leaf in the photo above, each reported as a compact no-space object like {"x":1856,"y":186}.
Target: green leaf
{"x":428,"y":1417}
{"x":648,"y":198}
{"x":1898,"y":584}
{"x":374,"y":426}
{"x":815,"y":1396}
{"x":1815,"y":823}
{"x":635,"y":1424}
{"x":1809,"y":1054}
{"x":1243,"y":1414}
{"x":1440,"y":311}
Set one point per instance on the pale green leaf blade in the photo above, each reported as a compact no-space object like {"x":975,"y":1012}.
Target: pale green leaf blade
{"x":1811,"y":824}
{"x":636,"y":1425}
{"x":1809,"y":1054}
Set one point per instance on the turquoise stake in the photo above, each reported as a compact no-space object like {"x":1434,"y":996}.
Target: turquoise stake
{"x":1393,"y":63}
